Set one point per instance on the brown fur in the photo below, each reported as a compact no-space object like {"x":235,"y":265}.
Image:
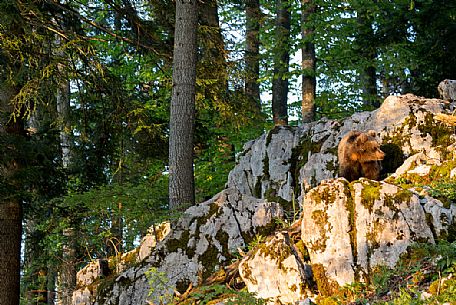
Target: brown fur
{"x":360,"y":156}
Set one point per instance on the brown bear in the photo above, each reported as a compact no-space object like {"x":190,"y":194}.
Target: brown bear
{"x":360,"y":156}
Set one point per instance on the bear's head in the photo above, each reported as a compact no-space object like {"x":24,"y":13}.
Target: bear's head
{"x":366,"y":148}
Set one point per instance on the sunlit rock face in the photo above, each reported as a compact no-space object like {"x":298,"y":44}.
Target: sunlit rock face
{"x":286,"y":161}
{"x":347,"y":229}
{"x":447,"y":89}
{"x":276,"y":271}
{"x":186,"y":252}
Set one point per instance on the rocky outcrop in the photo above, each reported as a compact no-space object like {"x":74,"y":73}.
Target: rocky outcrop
{"x":286,"y":162}
{"x":203,"y":240}
{"x":350,"y":228}
{"x":276,"y":270}
{"x":447,"y":89}
{"x":347,"y":229}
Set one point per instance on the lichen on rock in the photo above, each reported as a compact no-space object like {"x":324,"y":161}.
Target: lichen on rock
{"x":276,"y":257}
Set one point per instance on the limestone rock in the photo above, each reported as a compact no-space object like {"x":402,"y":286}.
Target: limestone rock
{"x":443,"y":219}
{"x":199,"y":243}
{"x":148,"y":242}
{"x":418,"y":160}
{"x":286,"y":160}
{"x":83,"y":296}
{"x":92,"y":272}
{"x":274,"y":270}
{"x":447,"y":89}
{"x":349,"y":229}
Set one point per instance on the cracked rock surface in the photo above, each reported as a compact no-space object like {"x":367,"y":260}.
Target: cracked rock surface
{"x":349,"y":229}
{"x":199,"y":243}
{"x":286,"y":161}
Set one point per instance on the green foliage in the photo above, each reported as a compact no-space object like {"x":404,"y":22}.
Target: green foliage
{"x":447,"y":262}
{"x":136,"y":207}
{"x":216,"y":154}
{"x":445,"y":191}
{"x":257,"y":240}
{"x":209,"y":295}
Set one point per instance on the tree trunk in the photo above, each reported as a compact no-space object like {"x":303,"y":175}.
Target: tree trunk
{"x":308,"y":63}
{"x":67,"y":276}
{"x":182,"y":114}
{"x":212,"y":60}
{"x":281,"y":63}
{"x":51,"y":284}
{"x":368,"y":74}
{"x":10,"y":249}
{"x":10,"y":210}
{"x":114,"y":243}
{"x":252,"y":52}
{"x":63,"y":112}
{"x":66,"y":279}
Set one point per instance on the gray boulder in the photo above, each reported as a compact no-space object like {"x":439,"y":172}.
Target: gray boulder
{"x":202,"y":241}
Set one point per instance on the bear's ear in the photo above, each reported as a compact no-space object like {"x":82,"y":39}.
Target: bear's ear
{"x":354,"y":156}
{"x":362,"y":138}
{"x":372,"y":133}
{"x":353,"y":135}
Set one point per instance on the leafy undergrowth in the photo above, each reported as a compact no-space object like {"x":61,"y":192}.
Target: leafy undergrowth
{"x":426,"y":275}
{"x":219,"y":294}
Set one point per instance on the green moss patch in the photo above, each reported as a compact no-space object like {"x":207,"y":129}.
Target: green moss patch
{"x":326,"y":286}
{"x":369,"y":193}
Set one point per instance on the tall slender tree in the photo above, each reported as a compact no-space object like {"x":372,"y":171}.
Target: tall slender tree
{"x":368,"y":55}
{"x":252,"y":51}
{"x":11,"y":133}
{"x":309,"y":82}
{"x":212,"y":65}
{"x":12,"y":137}
{"x":182,"y":114}
{"x":281,"y":64}
{"x":67,"y":274}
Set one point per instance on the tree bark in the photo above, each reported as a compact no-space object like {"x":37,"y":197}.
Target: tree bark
{"x":252,"y":52}
{"x":10,"y":249}
{"x":309,"y":82}
{"x":63,"y":112}
{"x":10,"y":210}
{"x":211,"y":57}
{"x":67,"y":276}
{"x":66,"y":279}
{"x":368,"y":52}
{"x":182,"y":114}
{"x":281,"y":64}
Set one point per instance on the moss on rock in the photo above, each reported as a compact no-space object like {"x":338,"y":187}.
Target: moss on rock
{"x":325,"y":286}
